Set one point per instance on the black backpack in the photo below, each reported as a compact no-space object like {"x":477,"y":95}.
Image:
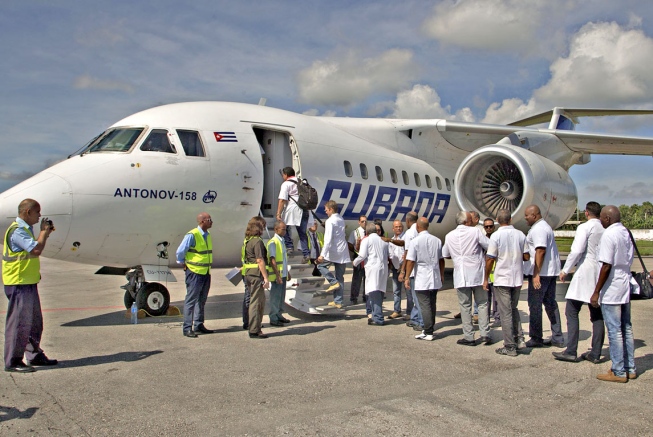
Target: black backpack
{"x":307,"y":196}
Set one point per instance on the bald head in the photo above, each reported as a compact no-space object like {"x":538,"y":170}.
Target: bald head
{"x":422,"y":224}
{"x":204,"y":220}
{"x":610,"y":214}
{"x":532,"y":214}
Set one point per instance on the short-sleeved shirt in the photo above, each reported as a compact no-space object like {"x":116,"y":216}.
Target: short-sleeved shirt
{"x":255,"y":249}
{"x":617,"y":250}
{"x":21,"y":239}
{"x":409,"y":235}
{"x":292,"y":214}
{"x":466,"y":247}
{"x":273,"y":254}
{"x":541,"y":235}
{"x":426,"y":251}
{"x":396,"y":252}
{"x":508,"y":246}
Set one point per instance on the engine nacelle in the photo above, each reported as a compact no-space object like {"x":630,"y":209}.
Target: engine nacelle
{"x":504,"y":176}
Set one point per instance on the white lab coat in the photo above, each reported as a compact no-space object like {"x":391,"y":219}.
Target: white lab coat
{"x":584,"y":252}
{"x":335,"y":247}
{"x":374,"y":251}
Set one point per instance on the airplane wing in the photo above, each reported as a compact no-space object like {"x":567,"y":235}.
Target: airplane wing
{"x":605,"y":144}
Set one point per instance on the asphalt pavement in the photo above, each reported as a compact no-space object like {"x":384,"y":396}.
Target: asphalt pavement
{"x":317,"y":376}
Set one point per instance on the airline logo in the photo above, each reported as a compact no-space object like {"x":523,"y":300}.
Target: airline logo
{"x":384,"y":203}
{"x":225,"y":137}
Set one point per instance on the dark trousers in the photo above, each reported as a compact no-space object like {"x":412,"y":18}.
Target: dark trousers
{"x":546,"y":295}
{"x":24,"y":325}
{"x":598,"y":329}
{"x":357,"y":282}
{"x":256,"y":304}
{"x":246,"y":299}
{"x":492,"y":304}
{"x":427,"y":303}
{"x":197,"y":291}
{"x":507,"y":299}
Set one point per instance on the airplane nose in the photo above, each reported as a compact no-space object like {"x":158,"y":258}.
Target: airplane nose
{"x":55,"y":196}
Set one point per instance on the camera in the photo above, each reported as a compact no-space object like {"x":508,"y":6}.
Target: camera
{"x":49,"y":222}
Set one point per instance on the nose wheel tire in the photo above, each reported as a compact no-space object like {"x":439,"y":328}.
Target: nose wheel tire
{"x":153,"y":298}
{"x":129,"y":300}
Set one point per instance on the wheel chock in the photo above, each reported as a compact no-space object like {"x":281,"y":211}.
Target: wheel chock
{"x":173,"y":311}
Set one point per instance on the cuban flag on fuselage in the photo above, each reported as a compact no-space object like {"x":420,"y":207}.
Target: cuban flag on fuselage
{"x":225,"y":137}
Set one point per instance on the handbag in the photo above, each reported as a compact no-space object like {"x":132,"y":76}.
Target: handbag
{"x":643,"y":279}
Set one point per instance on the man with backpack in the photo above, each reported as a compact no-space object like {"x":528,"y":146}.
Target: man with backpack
{"x":291,"y":213}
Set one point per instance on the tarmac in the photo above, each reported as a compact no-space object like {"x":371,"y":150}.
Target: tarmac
{"x":318,"y":376}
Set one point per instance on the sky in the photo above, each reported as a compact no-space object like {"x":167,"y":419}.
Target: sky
{"x":72,"y":68}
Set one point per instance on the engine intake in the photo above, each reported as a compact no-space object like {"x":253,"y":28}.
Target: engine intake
{"x":504,"y":176}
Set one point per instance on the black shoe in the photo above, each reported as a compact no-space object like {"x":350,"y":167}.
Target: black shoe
{"x":564,"y":357}
{"x":284,"y":320}
{"x":273,"y":323}
{"x":418,"y":328}
{"x":190,"y":334}
{"x":245,"y":326}
{"x":20,"y":368}
{"x":534,"y":343}
{"x":373,"y":323}
{"x":259,"y":335}
{"x":588,"y":356}
{"x":486,"y":341}
{"x":354,"y":301}
{"x":42,"y":360}
{"x":411,"y":324}
{"x":201,"y":329}
{"x":466,"y":342}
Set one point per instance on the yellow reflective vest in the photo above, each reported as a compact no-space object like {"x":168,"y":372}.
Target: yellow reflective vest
{"x":19,"y":268}
{"x":199,"y":257}
{"x":272,"y":276}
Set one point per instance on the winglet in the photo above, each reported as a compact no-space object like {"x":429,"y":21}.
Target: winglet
{"x":567,"y":119}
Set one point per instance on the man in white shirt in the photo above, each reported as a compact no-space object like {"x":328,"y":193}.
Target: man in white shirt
{"x":358,"y":275}
{"x":506,"y":252}
{"x":466,"y":245}
{"x":584,"y":253}
{"x":542,"y":271}
{"x":612,"y":292}
{"x":424,"y":259}
{"x":334,"y":252}
{"x":413,"y":314}
{"x":373,"y":251}
{"x":396,"y":253}
{"x":291,"y":214}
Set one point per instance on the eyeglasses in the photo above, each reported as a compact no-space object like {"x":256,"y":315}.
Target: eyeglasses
{"x":208,"y":220}
{"x":488,"y":226}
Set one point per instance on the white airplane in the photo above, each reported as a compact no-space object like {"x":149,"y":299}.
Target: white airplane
{"x":135,"y":190}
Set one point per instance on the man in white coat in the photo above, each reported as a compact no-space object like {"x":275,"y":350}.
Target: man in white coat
{"x":374,"y":252}
{"x":584,"y":253}
{"x":334,"y":252}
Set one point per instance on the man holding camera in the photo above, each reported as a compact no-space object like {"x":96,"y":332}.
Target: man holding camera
{"x":21,"y":272}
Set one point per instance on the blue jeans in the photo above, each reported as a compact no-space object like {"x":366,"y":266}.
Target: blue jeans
{"x":396,"y":289}
{"x":620,"y":338}
{"x":277,"y":297}
{"x":415,"y":313}
{"x":197,"y":291}
{"x":303,"y":238}
{"x":546,"y":296}
{"x":339,"y":278}
{"x":374,"y":305}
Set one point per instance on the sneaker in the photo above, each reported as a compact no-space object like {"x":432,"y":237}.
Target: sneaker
{"x":306,"y":260}
{"x":507,"y":351}
{"x":395,"y":315}
{"x":466,"y":342}
{"x":333,"y":287}
{"x":534,"y":343}
{"x":588,"y":357}
{"x":521,"y":344}
{"x":406,"y":316}
{"x":423,"y":336}
{"x":486,"y":341}
{"x":611,"y":377}
{"x":632,"y":375}
{"x":335,"y":305}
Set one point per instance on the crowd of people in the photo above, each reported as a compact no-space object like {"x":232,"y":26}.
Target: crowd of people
{"x":489,"y":266}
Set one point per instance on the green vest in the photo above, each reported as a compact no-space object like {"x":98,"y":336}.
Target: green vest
{"x":199,"y":257}
{"x":19,"y":268}
{"x":320,"y":239}
{"x":279,"y":259}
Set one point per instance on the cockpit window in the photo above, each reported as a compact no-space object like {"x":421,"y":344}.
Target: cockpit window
{"x":157,"y":141}
{"x":190,"y":141}
{"x":115,"y":140}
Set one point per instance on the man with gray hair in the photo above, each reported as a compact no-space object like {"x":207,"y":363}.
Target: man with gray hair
{"x":465,"y":245}
{"x":506,"y":252}
{"x":612,"y":292}
{"x":374,"y":252}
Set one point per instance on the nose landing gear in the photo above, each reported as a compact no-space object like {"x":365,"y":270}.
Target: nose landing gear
{"x":152,"y":297}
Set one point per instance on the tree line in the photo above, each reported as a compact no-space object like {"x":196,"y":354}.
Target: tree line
{"x":632,"y":216}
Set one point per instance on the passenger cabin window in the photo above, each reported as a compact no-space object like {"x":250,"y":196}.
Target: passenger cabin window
{"x":428,"y":181}
{"x":379,"y":173}
{"x":157,"y":141}
{"x":418,"y":182}
{"x":404,"y":176}
{"x":393,"y":175}
{"x":446,"y":181}
{"x":191,"y":142}
{"x":363,"y":171}
{"x":438,"y":182}
{"x":115,"y":140}
{"x":349,"y":172}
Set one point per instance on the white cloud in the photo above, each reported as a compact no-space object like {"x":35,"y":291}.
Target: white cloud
{"x":422,"y":101}
{"x":637,"y":190}
{"x":88,"y":82}
{"x":316,"y":112}
{"x":497,"y":25}
{"x":349,"y":79}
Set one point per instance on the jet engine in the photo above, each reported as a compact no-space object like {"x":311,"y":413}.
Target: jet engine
{"x":506,"y":176}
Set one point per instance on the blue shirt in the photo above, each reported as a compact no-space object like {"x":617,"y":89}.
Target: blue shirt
{"x":21,"y":239}
{"x":187,"y":243}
